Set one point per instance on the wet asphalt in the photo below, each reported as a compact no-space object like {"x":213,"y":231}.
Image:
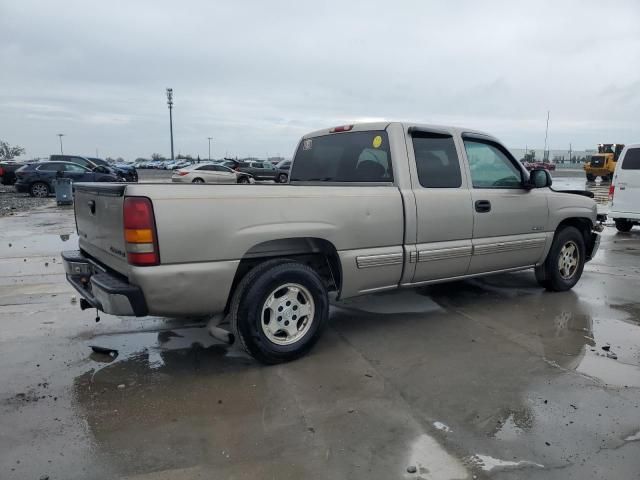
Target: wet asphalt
{"x":486,"y":378}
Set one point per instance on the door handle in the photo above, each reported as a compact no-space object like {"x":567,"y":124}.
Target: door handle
{"x":483,"y":206}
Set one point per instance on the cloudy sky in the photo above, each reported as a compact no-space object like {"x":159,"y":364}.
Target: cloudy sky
{"x":256,"y":75}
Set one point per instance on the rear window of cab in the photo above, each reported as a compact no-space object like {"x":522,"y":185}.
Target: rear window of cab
{"x":344,"y":157}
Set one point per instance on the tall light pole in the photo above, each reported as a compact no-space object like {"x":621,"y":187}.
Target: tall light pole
{"x":209,"y":138}
{"x":546,"y":134}
{"x":60,"y":135}
{"x":170,"y":103}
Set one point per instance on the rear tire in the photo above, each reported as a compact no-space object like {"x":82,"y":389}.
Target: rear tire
{"x":39,"y":190}
{"x":591,"y":178}
{"x":264,"y":307}
{"x":605,"y":178}
{"x":197,"y":180}
{"x":623,"y":225}
{"x":563,"y":266}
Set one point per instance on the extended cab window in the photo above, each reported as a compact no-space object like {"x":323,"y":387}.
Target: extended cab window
{"x":344,"y":157}
{"x":631,"y":160}
{"x":436,"y":160}
{"x":490,"y":167}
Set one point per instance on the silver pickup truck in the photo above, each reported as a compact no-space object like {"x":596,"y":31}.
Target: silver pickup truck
{"x":369,"y":207}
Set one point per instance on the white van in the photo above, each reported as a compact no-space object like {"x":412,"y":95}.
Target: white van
{"x":624,"y":192}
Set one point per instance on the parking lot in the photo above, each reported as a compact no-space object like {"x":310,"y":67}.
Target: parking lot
{"x":485,"y":378}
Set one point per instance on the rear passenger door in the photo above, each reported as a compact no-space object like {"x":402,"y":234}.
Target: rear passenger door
{"x":444,"y":212}
{"x":509,"y":221}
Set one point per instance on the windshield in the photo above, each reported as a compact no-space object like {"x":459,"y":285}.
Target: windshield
{"x":344,"y":157}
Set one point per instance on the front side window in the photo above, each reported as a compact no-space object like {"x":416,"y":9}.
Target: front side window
{"x":344,"y":157}
{"x":436,"y":160}
{"x":81,"y":161}
{"x":490,"y":167}
{"x":631,"y":160}
{"x":70,"y":167}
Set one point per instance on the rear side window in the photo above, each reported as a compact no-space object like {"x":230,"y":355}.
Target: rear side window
{"x":436,"y":160}
{"x":344,"y":157}
{"x":50,"y":167}
{"x":631,"y":160}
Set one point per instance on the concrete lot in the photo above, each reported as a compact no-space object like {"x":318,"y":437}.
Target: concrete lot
{"x":487,"y":378}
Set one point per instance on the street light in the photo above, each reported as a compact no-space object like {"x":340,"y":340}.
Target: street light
{"x":60,"y":135}
{"x":170,"y":103}
{"x":210,"y":138}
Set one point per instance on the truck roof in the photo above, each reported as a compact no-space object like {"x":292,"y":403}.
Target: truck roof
{"x":364,"y":126}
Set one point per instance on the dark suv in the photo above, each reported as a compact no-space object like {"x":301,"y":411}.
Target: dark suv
{"x":128,"y":174}
{"x":38,"y":179}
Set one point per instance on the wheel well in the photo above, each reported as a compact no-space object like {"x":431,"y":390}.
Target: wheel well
{"x":319,"y":254}
{"x":197,"y":178}
{"x":583,"y":225}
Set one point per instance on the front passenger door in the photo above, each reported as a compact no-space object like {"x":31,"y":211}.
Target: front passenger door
{"x":509,"y":221}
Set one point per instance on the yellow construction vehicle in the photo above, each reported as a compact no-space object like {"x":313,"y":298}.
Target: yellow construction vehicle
{"x":603,"y":163}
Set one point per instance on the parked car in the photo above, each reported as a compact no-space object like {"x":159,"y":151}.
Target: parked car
{"x":90,"y":164}
{"x":8,"y":171}
{"x":283,"y":167}
{"x":537,"y":165}
{"x":210,"y":173}
{"x":37,"y":179}
{"x":125,"y":170}
{"x":260,"y":170}
{"x":368,"y":208}
{"x":624,"y":192}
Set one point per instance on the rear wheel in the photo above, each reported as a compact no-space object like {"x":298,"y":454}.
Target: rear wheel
{"x":39,"y":189}
{"x":623,"y":225}
{"x":282,"y":178}
{"x":279,"y":310}
{"x":564,"y":264}
{"x":197,"y":180}
{"x":605,"y":178}
{"x":590,"y":177}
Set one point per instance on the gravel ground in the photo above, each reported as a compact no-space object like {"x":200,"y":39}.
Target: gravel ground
{"x":11,"y":202}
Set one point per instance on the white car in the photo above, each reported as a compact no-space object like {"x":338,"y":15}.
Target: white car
{"x":210,"y":173}
{"x":624,"y":192}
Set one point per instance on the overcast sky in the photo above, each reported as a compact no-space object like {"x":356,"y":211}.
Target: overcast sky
{"x":256,"y":75}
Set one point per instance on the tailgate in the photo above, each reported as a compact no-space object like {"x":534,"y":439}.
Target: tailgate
{"x":98,"y":209}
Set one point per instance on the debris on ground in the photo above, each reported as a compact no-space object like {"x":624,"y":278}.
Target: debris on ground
{"x":606,"y":348}
{"x":411,"y":469}
{"x":121,"y":386}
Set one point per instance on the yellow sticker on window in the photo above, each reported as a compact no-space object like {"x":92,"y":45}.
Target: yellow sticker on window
{"x":377,"y":141}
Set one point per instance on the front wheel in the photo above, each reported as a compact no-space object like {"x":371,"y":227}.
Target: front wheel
{"x":279,"y":310}
{"x":623,"y":225}
{"x":591,"y":178}
{"x":282,"y":178}
{"x":243,"y":180}
{"x":564,"y":264}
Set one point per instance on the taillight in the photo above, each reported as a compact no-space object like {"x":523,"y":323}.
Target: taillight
{"x":612,"y":189}
{"x":343,"y":128}
{"x":181,"y":173}
{"x":1,"y":171}
{"x":141,"y":241}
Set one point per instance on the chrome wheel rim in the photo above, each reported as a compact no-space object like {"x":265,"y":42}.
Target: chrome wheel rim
{"x":568,"y":260}
{"x":197,"y":180}
{"x":40,"y":190}
{"x":287,"y":314}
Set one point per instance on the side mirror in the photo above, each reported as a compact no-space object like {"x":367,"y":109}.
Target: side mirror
{"x":539,"y":178}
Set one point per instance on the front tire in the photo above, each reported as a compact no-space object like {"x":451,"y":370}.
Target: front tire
{"x":591,"y":178}
{"x":283,"y":177}
{"x":243,"y":180}
{"x":563,"y":266}
{"x":279,"y":310}
{"x":39,"y":190}
{"x":623,"y":225}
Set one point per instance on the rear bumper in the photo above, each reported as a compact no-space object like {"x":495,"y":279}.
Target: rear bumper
{"x":614,"y":214}
{"x":101,"y":289}
{"x":21,"y":187}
